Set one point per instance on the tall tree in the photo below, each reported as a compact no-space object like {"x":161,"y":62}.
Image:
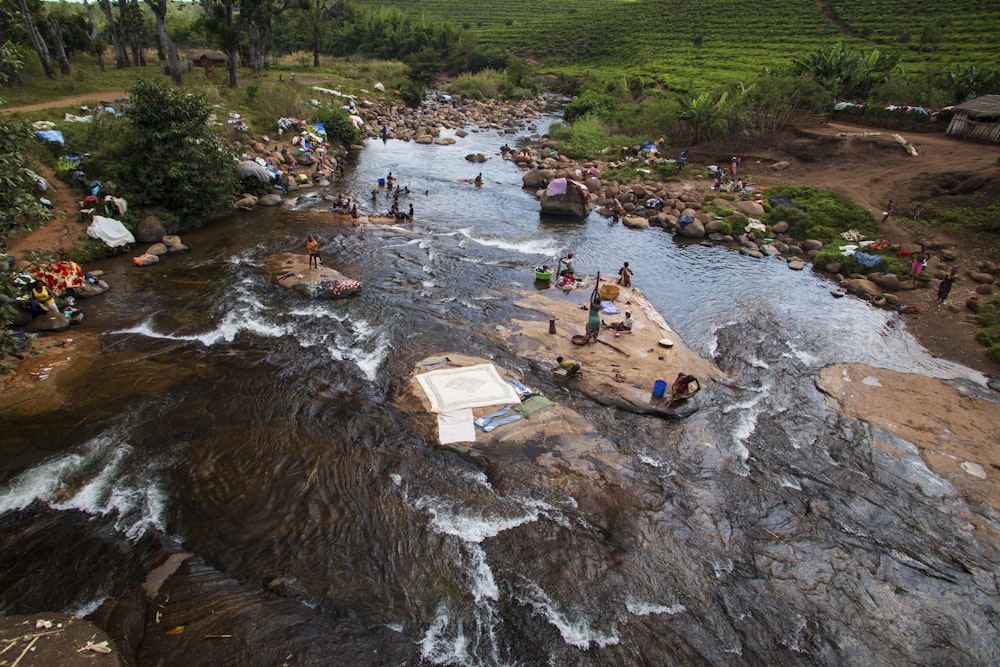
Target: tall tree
{"x":117,"y":41}
{"x":159,"y":8}
{"x":56,"y":38}
{"x":95,"y":46}
{"x":41,"y":48}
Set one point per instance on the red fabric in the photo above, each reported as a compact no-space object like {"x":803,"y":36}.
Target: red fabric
{"x":60,"y":276}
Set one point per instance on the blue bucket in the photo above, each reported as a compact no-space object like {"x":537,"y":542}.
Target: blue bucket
{"x":381,"y":182}
{"x":659,"y":388}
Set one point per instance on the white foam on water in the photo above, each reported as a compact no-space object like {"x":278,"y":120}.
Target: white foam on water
{"x":396,"y":478}
{"x":447,"y":520}
{"x":806,"y":358}
{"x":576,"y":633}
{"x":227,"y":330}
{"x":94,"y":481}
{"x":650,"y":461}
{"x":437,"y":647}
{"x":642,"y":608}
{"x":529,"y":246}
{"x":85,"y":609}
{"x":790,"y":484}
{"x":484,"y":585}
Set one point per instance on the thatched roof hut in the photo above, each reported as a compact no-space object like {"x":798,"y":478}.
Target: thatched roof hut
{"x":977,"y":119}
{"x":208,"y":58}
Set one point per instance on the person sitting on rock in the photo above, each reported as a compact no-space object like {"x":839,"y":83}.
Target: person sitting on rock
{"x":684,"y":386}
{"x":42,"y":299}
{"x":572,"y":368}
{"x":624,"y":325}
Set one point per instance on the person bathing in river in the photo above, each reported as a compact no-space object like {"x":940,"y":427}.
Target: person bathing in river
{"x":479,"y":179}
{"x":625,"y":276}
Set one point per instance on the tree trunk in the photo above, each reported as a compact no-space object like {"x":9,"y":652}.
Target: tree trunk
{"x":36,"y":40}
{"x":92,"y":35}
{"x":117,"y":43}
{"x":130,"y":30}
{"x":55,"y":34}
{"x":232,"y":48}
{"x":159,"y":8}
{"x":256,"y":38}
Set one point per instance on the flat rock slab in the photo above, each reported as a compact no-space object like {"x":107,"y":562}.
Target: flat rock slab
{"x":292,"y":271}
{"x":618,"y":372}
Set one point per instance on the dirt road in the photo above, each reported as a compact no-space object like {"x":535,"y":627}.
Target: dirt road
{"x":73,"y":100}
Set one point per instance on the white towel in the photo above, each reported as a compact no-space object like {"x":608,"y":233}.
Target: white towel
{"x":456,"y":426}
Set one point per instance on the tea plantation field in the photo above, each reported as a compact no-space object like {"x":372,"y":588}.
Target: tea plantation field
{"x":688,"y":44}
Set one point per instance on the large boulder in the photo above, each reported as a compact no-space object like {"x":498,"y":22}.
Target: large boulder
{"x":634,"y":222}
{"x":270,"y":200}
{"x":149,"y":229}
{"x":889,"y":282}
{"x":693,"y":230}
{"x":750,"y":208}
{"x":862,"y":287}
{"x":47,"y":322}
{"x":174,"y":243}
{"x":982,"y":277}
{"x":476,"y":157}
{"x":537,"y":178}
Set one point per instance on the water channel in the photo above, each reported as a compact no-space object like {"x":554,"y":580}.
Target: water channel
{"x":257,"y":430}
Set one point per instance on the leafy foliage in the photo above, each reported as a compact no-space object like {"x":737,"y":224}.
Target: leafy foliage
{"x":339,"y":126}
{"x":819,"y":214}
{"x":170,"y":157}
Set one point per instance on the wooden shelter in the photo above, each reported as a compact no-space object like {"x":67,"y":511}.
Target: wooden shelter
{"x":208,"y":59}
{"x":977,"y":119}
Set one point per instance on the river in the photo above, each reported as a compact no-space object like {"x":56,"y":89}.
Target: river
{"x":257,"y":431}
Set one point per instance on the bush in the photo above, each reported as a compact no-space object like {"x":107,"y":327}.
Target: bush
{"x":339,"y":126}
{"x":479,"y":86}
{"x":590,"y":103}
{"x":167,"y":156}
{"x":585,"y":138}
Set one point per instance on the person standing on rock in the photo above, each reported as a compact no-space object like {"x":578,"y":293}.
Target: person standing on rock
{"x":594,"y":316}
{"x":312,"y":247}
{"x":944,"y":289}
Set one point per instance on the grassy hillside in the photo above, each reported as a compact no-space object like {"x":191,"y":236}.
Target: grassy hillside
{"x":688,"y":44}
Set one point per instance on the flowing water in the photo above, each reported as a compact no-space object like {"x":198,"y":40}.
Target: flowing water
{"x":258,"y":431}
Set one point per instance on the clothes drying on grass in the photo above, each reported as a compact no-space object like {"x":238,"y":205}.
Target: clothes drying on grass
{"x":871,"y":261}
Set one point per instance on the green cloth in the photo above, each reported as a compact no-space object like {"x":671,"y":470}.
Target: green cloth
{"x":531,"y":406}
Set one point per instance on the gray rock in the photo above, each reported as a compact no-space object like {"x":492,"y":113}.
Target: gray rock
{"x":832,"y":267}
{"x":948,"y":254}
{"x":984,"y":289}
{"x":982,"y":277}
{"x":174,"y":243}
{"x":476,"y":157}
{"x":636,"y":223}
{"x":713,"y":226}
{"x":270,"y":200}
{"x":47,"y":321}
{"x":887,"y":281}
{"x":862,"y":287}
{"x":149,"y":230}
{"x":812,"y":244}
{"x":157,"y":249}
{"x":695,"y":230}
{"x":796,"y":265}
{"x":750,"y":208}
{"x":780,"y":227}
{"x":781,"y":165}
{"x":769,"y":250}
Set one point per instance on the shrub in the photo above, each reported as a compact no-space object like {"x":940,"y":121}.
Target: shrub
{"x":167,"y":156}
{"x":819,"y":214}
{"x":339,"y":126}
{"x":584,"y":138}
{"x":590,"y":103}
{"x":479,"y":86}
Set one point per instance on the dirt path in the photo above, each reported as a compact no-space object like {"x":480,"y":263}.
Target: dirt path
{"x":72,"y":100}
